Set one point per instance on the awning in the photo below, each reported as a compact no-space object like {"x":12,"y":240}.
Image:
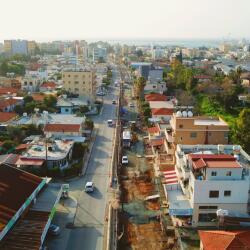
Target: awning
{"x":30,"y":162}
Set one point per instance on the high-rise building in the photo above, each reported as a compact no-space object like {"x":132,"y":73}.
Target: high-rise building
{"x":32,"y":47}
{"x":24,"y":47}
{"x":99,"y":54}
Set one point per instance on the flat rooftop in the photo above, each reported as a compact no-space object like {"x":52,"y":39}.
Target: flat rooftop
{"x":57,"y":150}
{"x":209,"y":122}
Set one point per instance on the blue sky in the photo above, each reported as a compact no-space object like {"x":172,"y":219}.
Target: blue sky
{"x":79,"y":19}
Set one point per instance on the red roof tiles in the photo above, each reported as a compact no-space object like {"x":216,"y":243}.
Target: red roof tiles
{"x":62,"y":128}
{"x":225,"y":240}
{"x":6,"y":91}
{"x":7,"y":116}
{"x":7,"y":102}
{"x":157,"y":142}
{"x":16,"y":186}
{"x":155,"y":97}
{"x":162,"y":111}
{"x":38,"y":97}
{"x":51,"y":85}
{"x":213,"y":161}
{"x":153,"y":130}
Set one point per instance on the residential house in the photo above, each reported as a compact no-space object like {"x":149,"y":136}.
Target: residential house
{"x":30,"y":83}
{"x":207,"y":179}
{"x":155,"y":97}
{"x":59,"y":130}
{"x":203,"y":78}
{"x":164,"y":114}
{"x":5,"y":91}
{"x":7,"y":117}
{"x":8,"y":104}
{"x":224,"y":240}
{"x":192,"y":130}
{"x":56,"y":153}
{"x":25,"y":209}
{"x":48,"y":86}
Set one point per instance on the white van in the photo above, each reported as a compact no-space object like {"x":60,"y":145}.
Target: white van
{"x":110,"y":123}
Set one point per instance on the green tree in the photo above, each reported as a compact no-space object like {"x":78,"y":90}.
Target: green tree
{"x":8,"y":146}
{"x":27,"y":99}
{"x":50,"y":101}
{"x":84,"y":109}
{"x":78,"y":150}
{"x":4,"y":68}
{"x":89,"y":124}
{"x":243,"y":129}
{"x":19,"y":109}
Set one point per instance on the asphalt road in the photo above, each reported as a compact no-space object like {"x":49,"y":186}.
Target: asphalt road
{"x":89,"y":219}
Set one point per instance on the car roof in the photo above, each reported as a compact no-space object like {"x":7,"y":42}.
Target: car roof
{"x":89,"y":183}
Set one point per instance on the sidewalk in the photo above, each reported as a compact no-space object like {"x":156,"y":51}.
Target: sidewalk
{"x":87,"y":157}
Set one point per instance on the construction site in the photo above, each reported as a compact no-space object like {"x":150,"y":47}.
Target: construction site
{"x":141,"y":220}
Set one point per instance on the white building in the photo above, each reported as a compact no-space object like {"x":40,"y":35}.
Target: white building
{"x":208,"y":178}
{"x":30,"y":83}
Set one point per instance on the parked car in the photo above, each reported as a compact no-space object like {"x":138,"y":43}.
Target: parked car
{"x":124,"y":160}
{"x":54,"y":229}
{"x":114,"y":102}
{"x":89,"y":187}
{"x":131,"y":105}
{"x":100,"y":94}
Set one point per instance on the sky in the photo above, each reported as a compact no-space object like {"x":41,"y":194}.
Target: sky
{"x":124,"y":19}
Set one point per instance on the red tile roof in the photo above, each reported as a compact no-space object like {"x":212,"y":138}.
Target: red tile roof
{"x":162,"y":111}
{"x":16,"y":186}
{"x":225,"y":240}
{"x":153,"y":130}
{"x":29,"y":161}
{"x":22,"y":146}
{"x":213,"y":161}
{"x":7,"y":116}
{"x":38,"y":97}
{"x":155,"y":97}
{"x":157,"y":142}
{"x":51,"y":85}
{"x":62,"y":128}
{"x":5,"y":91}
{"x":7,"y":102}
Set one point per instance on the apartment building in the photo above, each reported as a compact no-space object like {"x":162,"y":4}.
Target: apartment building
{"x":31,"y":83}
{"x":81,"y":82}
{"x":206,"y":179}
{"x":16,"y":46}
{"x":191,"y":130}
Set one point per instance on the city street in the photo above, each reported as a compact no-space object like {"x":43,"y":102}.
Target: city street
{"x":88,"y":222}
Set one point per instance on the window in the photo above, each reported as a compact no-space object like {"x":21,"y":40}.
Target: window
{"x":180,"y":126}
{"x":213,"y":194}
{"x":213,"y":173}
{"x":209,"y":133}
{"x":208,"y":207}
{"x":76,"y":82}
{"x":227,"y":193}
{"x":209,"y":217}
{"x":193,"y":134}
{"x":68,"y":75}
{"x":229,"y":173}
{"x":83,"y":82}
{"x":226,"y":135}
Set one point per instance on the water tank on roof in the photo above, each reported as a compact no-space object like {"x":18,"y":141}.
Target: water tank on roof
{"x":45,"y":112}
{"x":190,"y":113}
{"x":220,"y":148}
{"x":184,"y":113}
{"x":236,"y":148}
{"x":178,"y":114}
{"x":25,"y":114}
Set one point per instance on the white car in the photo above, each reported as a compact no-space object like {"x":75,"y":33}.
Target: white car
{"x":89,"y":187}
{"x":54,"y":229}
{"x":124,"y":160}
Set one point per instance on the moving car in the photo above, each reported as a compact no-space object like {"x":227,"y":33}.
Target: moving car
{"x":89,"y":187}
{"x":54,"y":229}
{"x":124,"y":160}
